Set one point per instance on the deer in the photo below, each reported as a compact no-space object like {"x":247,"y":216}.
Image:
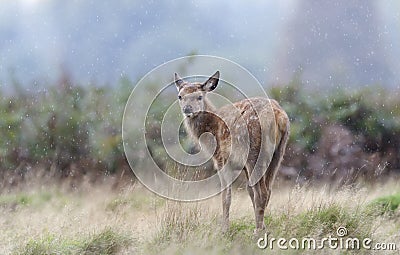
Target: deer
{"x":267,"y":127}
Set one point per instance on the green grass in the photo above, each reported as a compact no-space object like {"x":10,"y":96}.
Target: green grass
{"x":46,"y":244}
{"x":106,"y":242}
{"x":22,"y":199}
{"x":384,"y":205}
{"x":320,"y":222}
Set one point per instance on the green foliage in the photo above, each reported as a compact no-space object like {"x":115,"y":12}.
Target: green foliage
{"x":371,"y":112}
{"x":62,"y":125}
{"x":302,"y":109}
{"x":69,"y":123}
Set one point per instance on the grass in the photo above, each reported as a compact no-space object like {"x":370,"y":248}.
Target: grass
{"x":134,"y":221}
{"x":132,"y":202}
{"x":105,"y":242}
{"x":385,"y":204}
{"x":316,"y":223}
{"x":15,"y":200}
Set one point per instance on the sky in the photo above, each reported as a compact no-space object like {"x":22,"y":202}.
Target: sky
{"x":103,"y":41}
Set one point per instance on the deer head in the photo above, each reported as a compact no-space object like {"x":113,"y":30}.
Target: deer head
{"x":192,"y":96}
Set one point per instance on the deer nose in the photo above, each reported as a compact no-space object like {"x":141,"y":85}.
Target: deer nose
{"x":187,"y":109}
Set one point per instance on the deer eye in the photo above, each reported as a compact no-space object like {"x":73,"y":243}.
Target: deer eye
{"x":200,"y":97}
{"x":179,"y":97}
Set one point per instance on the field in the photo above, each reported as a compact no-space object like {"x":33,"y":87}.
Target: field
{"x":132,"y":220}
{"x":88,"y":94}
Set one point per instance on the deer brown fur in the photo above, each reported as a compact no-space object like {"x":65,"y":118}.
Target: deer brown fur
{"x":251,"y":135}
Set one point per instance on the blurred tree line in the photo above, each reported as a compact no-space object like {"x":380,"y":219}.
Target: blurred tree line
{"x":73,"y":130}
{"x":341,"y":134}
{"x":66,"y":129}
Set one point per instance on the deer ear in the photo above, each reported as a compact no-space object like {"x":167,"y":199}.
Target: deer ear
{"x":211,"y":83}
{"x":178,"y":82}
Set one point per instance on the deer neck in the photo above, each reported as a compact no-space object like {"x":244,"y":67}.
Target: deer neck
{"x":206,"y":121}
{"x":209,"y":107}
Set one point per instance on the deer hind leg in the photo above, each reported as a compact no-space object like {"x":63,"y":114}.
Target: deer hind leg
{"x":261,"y":197}
{"x":270,"y":176}
{"x":268,"y":181}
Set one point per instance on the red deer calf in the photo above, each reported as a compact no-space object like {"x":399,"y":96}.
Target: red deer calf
{"x":250,"y":135}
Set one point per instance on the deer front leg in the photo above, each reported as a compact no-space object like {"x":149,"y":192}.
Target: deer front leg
{"x":249,"y":188}
{"x":251,"y":194}
{"x":225,"y":194}
{"x":226,"y":204}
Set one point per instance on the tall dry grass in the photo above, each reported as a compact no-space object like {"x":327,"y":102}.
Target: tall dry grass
{"x":97,"y":220}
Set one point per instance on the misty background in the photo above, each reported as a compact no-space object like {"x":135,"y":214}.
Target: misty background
{"x":329,"y":43}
